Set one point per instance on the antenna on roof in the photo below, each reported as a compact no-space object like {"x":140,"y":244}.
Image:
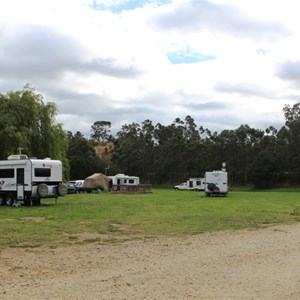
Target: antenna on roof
{"x":106,"y":169}
{"x":224,"y":166}
{"x":20,"y":150}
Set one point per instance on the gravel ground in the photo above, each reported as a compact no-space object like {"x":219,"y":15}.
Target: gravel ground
{"x":245,"y":264}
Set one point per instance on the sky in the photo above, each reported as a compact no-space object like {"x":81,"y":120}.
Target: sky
{"x":223,"y":62}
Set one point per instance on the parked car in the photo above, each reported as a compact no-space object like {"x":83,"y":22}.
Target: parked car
{"x":71,"y":186}
{"x":79,"y":185}
{"x":182,"y":186}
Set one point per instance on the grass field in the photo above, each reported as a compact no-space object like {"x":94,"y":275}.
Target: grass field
{"x":163,"y":212}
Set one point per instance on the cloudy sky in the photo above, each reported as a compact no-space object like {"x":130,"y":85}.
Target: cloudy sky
{"x":223,"y":62}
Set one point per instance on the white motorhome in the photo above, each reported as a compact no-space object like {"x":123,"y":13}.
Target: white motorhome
{"x":216,"y":183}
{"x":192,"y":184}
{"x":29,"y":180}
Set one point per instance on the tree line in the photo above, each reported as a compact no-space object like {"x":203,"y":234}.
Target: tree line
{"x":156,"y":153}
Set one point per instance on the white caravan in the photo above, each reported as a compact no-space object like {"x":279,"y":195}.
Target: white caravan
{"x":216,"y":183}
{"x":122,"y":179}
{"x":29,"y":180}
{"x":192,"y":184}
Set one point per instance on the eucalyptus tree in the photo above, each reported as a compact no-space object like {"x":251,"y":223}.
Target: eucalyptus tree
{"x":237,"y":148}
{"x":148,"y":154}
{"x":100,"y":131}
{"x":82,"y":156}
{"x":170,"y":155}
{"x":128,"y":156}
{"x":292,"y":117}
{"x":263,"y":169}
{"x":194,"y":150}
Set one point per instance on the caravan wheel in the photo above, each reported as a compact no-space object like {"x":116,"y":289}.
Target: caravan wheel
{"x":62,"y":189}
{"x":42,"y":190}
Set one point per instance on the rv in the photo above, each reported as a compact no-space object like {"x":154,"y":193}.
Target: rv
{"x":192,"y":184}
{"x":216,"y":183}
{"x":122,"y":183}
{"x":29,"y":180}
{"x":122,"y":179}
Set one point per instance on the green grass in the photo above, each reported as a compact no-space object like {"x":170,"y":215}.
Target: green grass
{"x":163,"y":212}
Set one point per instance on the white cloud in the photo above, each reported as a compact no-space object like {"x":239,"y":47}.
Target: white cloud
{"x":224,"y":62}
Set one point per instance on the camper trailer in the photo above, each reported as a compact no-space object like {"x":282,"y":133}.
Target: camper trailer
{"x":29,"y":180}
{"x":216,"y":183}
{"x":122,"y":183}
{"x":122,"y":179}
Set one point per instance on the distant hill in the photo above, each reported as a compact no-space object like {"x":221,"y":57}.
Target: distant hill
{"x":105,"y":150}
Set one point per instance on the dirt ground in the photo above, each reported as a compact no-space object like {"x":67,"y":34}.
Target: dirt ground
{"x":246,"y":264}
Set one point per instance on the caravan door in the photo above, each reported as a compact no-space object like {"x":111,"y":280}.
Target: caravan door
{"x":20,"y":183}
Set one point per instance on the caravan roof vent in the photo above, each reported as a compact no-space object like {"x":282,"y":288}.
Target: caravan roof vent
{"x":17,"y":156}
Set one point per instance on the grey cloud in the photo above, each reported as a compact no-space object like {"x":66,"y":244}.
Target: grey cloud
{"x":76,"y":103}
{"x":110,"y":67}
{"x":220,"y":119}
{"x":194,"y":15}
{"x":212,"y":114}
{"x":209,"y":106}
{"x":243,"y":89}
{"x":289,"y":70}
{"x":35,"y":51}
{"x":95,"y":107}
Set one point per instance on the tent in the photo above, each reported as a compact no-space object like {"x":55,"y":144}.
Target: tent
{"x":97,"y":181}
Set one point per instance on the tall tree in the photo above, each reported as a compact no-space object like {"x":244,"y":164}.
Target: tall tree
{"x":148,"y":172}
{"x":292,"y":116}
{"x":26,"y":122}
{"x":128,"y":149}
{"x":100,"y":131}
{"x":83,"y":159}
{"x":263,"y":170}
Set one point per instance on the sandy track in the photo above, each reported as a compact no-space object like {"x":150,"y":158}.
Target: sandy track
{"x":247,"y":264}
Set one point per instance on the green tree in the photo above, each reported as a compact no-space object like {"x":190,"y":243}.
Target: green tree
{"x":237,"y":149}
{"x":100,"y":131}
{"x":82,"y":156}
{"x":292,"y":116}
{"x":27,"y":123}
{"x":170,"y":159}
{"x":128,"y":154}
{"x":263,"y":170}
{"x":148,"y":171}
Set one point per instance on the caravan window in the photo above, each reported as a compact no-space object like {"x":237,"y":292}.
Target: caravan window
{"x":131,"y":181}
{"x":42,"y":172}
{"x":7,"y":173}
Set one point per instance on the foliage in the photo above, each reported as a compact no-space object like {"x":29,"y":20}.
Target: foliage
{"x":263,"y":169}
{"x":100,"y":131}
{"x":27,"y":123}
{"x":157,"y":153}
{"x":173,"y":153}
{"x":83,"y":159}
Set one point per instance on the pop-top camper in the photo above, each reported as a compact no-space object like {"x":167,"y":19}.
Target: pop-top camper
{"x":29,"y":180}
